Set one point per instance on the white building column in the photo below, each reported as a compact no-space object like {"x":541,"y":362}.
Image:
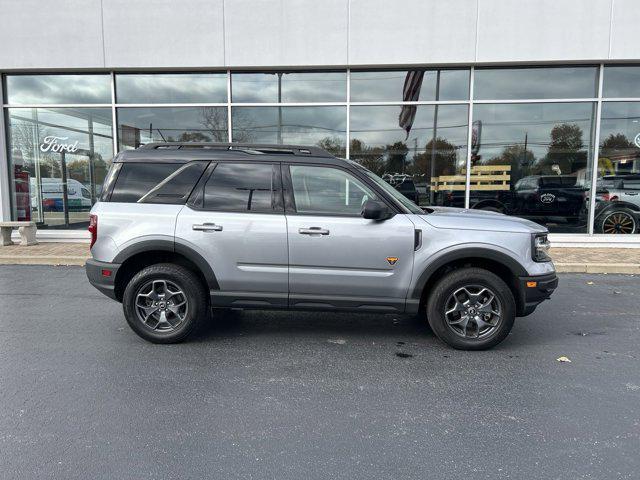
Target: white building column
{"x":5,"y":205}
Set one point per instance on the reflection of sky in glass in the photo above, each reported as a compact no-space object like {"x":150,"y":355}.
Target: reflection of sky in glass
{"x":57,"y":89}
{"x":169,"y":124}
{"x":295,"y":86}
{"x":172,"y":88}
{"x":504,"y":125}
{"x":534,"y":83}
{"x":300,"y":125}
{"x":387,"y":86}
{"x":621,"y":82}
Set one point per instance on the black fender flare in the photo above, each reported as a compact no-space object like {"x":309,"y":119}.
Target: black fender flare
{"x":461,"y":253}
{"x":169,"y":245}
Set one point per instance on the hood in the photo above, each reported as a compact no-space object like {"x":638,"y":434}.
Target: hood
{"x":467,"y":219}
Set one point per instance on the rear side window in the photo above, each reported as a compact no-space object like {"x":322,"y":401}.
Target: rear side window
{"x":156,"y":182}
{"x":177,"y":187}
{"x":241,"y":187}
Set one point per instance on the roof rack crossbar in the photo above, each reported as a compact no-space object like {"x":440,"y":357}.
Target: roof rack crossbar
{"x":248,"y":147}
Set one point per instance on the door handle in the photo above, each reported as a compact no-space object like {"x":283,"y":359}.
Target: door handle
{"x":313,"y":231}
{"x":207,"y":227}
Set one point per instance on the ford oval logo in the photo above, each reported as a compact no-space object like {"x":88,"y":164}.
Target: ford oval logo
{"x":547,"y":198}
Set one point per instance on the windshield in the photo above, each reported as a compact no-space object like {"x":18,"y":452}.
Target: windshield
{"x":412,"y":207}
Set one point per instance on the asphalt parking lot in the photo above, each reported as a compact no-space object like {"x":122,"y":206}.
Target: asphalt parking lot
{"x":306,"y":395}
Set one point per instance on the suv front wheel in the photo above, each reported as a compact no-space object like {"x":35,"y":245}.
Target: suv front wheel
{"x":164,"y":303}
{"x":471,"y":309}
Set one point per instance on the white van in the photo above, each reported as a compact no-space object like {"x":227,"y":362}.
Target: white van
{"x":78,"y":196}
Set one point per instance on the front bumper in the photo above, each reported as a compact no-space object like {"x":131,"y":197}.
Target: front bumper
{"x":106,"y":284}
{"x":534,"y":290}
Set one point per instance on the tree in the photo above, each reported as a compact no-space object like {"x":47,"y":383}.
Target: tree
{"x":439,"y":158}
{"x":522,"y":161}
{"x":332,"y":145}
{"x":396,"y":155}
{"x":369,"y":157}
{"x":193,"y":137}
{"x":617,"y":141}
{"x":566,"y":150}
{"x":214,"y":120}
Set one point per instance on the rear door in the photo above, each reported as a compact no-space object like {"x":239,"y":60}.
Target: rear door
{"x":235,"y":220}
{"x":337,"y":259}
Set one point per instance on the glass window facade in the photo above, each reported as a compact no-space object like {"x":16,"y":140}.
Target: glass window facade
{"x":533,"y":160}
{"x":58,"y":159}
{"x":617,"y":207}
{"x":140,"y":125}
{"x":621,"y":82}
{"x":289,"y":87}
{"x":525,"y":143}
{"x":389,"y":85}
{"x":171,"y":88}
{"x":535,"y":83}
{"x":323,"y":126}
{"x":57,"y":89}
{"x":424,"y":158}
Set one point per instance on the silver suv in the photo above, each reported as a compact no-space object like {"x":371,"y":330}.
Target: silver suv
{"x":184,"y":228}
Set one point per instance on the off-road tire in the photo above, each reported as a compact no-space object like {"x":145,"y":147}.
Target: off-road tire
{"x":452,"y":282}
{"x":197,"y":312}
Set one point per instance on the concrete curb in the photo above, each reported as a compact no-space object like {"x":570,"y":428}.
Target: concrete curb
{"x":624,"y":268}
{"x":42,"y":260}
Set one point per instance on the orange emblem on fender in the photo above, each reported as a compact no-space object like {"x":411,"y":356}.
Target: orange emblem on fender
{"x":392,"y":260}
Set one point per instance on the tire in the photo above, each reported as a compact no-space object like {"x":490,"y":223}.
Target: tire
{"x":446,"y":311}
{"x":617,"y":221}
{"x":169,"y":320}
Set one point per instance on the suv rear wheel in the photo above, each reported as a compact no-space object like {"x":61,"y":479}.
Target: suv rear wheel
{"x":164,"y":303}
{"x":471,"y":309}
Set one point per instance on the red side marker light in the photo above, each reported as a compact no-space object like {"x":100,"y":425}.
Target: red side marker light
{"x":106,"y":273}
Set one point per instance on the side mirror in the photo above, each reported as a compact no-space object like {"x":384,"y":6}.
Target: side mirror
{"x":374,"y":210}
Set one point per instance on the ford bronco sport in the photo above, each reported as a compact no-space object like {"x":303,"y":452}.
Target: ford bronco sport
{"x":184,"y":228}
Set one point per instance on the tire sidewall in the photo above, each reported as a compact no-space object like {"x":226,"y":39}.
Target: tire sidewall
{"x":457,"y":279}
{"x":191,"y":288}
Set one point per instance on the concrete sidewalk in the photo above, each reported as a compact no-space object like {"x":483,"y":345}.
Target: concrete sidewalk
{"x":580,"y":260}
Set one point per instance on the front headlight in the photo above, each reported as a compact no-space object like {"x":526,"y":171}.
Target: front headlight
{"x":540,"y":247}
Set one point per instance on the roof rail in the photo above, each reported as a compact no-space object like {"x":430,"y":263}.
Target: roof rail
{"x":247,"y":147}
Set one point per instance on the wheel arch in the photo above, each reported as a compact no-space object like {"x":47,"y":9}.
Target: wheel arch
{"x":142,"y":254}
{"x":499,"y":263}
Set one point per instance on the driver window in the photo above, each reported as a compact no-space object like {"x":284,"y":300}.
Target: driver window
{"x":328,"y":190}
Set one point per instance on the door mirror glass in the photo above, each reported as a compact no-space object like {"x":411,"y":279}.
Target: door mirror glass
{"x":375,"y":210}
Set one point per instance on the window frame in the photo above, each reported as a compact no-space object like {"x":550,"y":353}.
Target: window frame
{"x":196,"y":198}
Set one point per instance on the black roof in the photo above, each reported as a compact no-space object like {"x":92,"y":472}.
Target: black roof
{"x":176,"y":152}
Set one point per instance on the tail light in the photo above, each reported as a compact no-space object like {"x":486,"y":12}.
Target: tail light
{"x":93,"y":228}
{"x":607,"y":197}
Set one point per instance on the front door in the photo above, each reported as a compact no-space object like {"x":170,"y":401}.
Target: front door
{"x":337,"y":259}
{"x":235,"y":220}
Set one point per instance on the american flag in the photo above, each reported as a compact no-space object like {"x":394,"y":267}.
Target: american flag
{"x":410,"y":93}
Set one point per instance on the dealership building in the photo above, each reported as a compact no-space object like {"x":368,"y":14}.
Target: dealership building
{"x":525,"y":107}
